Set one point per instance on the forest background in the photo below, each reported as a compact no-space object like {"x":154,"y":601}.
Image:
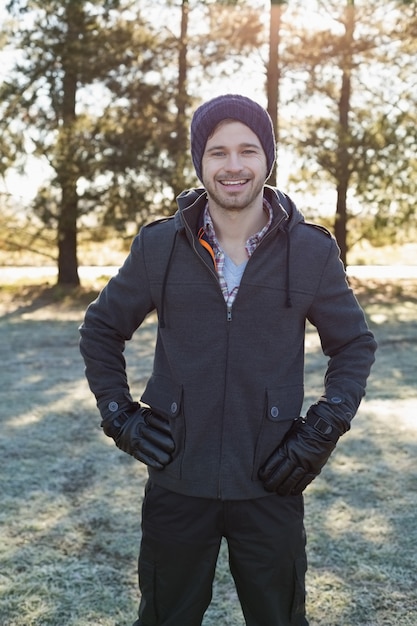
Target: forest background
{"x":97,"y":97}
{"x":95,"y":103}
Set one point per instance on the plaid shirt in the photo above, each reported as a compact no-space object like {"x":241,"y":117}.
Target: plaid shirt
{"x":219,"y":255}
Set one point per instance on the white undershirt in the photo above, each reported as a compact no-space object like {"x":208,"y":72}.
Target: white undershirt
{"x":232,"y":273}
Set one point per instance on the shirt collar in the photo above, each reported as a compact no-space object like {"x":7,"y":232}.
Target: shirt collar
{"x":253,"y":240}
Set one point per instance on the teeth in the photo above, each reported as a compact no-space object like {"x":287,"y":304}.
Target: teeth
{"x":233,"y":182}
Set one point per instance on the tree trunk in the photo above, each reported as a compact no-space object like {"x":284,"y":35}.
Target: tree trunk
{"x":66,"y":170}
{"x":274,"y":74}
{"x":67,"y":235}
{"x":181,"y":101}
{"x":343,"y":165}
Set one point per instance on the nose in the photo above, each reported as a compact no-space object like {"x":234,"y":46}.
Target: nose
{"x":234,"y":162}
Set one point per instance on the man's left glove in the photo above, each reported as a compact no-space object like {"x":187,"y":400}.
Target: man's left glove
{"x":144,"y":435}
{"x":304,"y":451}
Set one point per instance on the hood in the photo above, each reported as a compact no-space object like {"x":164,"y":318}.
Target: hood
{"x":278,"y":198}
{"x":285,"y":211}
{"x":191,"y":203}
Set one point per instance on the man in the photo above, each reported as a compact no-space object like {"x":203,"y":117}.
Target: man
{"x":233,"y":277}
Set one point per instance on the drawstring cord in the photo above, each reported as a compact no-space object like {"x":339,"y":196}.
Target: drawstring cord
{"x":288,"y":301}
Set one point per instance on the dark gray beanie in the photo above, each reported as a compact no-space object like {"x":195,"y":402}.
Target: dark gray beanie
{"x":236,"y":107}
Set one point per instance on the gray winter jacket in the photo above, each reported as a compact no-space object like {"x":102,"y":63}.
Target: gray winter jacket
{"x":230,"y":382}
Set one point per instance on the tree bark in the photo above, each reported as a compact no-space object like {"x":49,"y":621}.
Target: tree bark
{"x":343,"y":165}
{"x":274,"y":74}
{"x":181,"y":101}
{"x":67,"y":220}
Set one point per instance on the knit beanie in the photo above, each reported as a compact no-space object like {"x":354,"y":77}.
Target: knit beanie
{"x":236,"y":107}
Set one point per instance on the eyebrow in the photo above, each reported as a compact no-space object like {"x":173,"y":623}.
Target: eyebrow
{"x":241,"y":145}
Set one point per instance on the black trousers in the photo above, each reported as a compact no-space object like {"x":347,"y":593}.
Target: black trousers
{"x":181,"y":538}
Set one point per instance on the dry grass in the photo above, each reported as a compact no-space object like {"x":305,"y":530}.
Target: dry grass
{"x":70,"y":513}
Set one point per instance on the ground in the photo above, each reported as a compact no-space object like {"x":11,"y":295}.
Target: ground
{"x":70,"y":513}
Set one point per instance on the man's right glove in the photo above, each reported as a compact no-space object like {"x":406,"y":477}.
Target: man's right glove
{"x":305,"y":450}
{"x":144,"y":435}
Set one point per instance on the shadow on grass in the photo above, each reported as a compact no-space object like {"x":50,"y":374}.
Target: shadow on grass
{"x":361,"y":523}
{"x":23,"y":299}
{"x":71,"y":501}
{"x":360,"y":514}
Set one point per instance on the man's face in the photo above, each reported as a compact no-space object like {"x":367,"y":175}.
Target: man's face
{"x":234,"y":167}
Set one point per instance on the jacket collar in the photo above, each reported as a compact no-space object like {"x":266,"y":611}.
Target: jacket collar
{"x":191,"y":204}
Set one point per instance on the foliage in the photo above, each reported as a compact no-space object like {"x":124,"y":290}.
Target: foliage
{"x":118,"y":129}
{"x":94,"y":93}
{"x":103,"y":93}
{"x":380,"y":145}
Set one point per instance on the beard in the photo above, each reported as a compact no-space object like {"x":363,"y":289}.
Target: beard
{"x":235,"y":201}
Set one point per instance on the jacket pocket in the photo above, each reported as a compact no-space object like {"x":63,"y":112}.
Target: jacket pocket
{"x":282,"y":407}
{"x":164,"y":397}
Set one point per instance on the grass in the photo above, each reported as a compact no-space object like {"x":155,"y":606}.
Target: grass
{"x":70,"y":512}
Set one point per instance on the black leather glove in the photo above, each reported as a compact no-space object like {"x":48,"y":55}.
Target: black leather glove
{"x":305,"y":450}
{"x":144,"y":435}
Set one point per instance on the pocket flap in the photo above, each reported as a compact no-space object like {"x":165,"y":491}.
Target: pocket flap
{"x":163,"y":395}
{"x":284,"y":404}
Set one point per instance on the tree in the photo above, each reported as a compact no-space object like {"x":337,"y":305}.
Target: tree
{"x":222,"y":33}
{"x":273,"y":75}
{"x":344,"y":106}
{"x":353,"y":131}
{"x":70,"y":47}
{"x":182,"y":102}
{"x":104,"y":98}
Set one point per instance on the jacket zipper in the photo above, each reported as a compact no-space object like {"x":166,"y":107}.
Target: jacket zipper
{"x":229,"y":307}
{"x":229,"y":316}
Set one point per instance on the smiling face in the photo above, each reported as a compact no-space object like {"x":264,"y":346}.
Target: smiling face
{"x":234,"y":167}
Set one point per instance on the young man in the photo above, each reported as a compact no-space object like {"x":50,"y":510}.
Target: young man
{"x":233,"y":276}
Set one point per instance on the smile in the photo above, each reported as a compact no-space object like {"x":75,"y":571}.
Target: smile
{"x":230,"y":183}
